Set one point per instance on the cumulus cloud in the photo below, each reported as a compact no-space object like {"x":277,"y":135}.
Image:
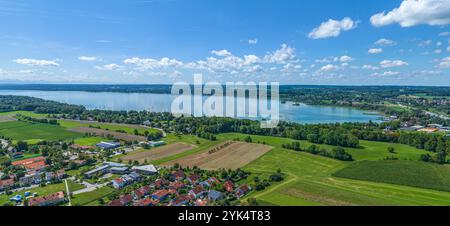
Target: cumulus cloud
{"x":87,"y":58}
{"x":415,"y":12}
{"x":148,"y":63}
{"x":253,"y":41}
{"x":329,"y":67}
{"x":386,"y":73}
{"x":33,"y":62}
{"x":345,"y":59}
{"x":444,"y":33}
{"x":108,"y":67}
{"x":392,"y":63}
{"x":282,"y":55}
{"x":375,"y":50}
{"x":221,"y":53}
{"x":333,"y":28}
{"x":385,"y":42}
{"x":444,"y":63}
{"x":370,"y":67}
{"x":448,"y":48}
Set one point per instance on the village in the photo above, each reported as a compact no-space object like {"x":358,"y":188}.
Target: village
{"x":133,"y":183}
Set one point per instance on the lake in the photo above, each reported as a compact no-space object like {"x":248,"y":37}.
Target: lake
{"x":302,"y":113}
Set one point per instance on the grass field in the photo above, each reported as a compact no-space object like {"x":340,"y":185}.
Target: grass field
{"x":310,"y":181}
{"x":410,"y":173}
{"x":18,"y":130}
{"x":43,"y":191}
{"x":24,"y":113}
{"x":91,"y":198}
{"x":89,"y":141}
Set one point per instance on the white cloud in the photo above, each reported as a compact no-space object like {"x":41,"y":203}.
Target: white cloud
{"x":221,"y":53}
{"x":33,"y":62}
{"x":152,"y":63}
{"x":108,"y":67}
{"x":87,"y":58}
{"x":438,"y":51}
{"x":370,"y":67}
{"x":425,"y":43}
{"x":329,"y":67}
{"x":385,"y":42}
{"x":392,"y":63}
{"x":444,"y":33}
{"x":345,"y":59}
{"x":282,"y":55}
{"x":332,"y":28}
{"x":444,"y":63}
{"x":415,"y":12}
{"x":253,"y":41}
{"x":448,"y":48}
{"x":375,"y":50}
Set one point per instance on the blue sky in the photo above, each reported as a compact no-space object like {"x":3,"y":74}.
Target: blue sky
{"x":346,"y":42}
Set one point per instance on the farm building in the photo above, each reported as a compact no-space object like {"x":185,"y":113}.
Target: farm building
{"x":108,"y":145}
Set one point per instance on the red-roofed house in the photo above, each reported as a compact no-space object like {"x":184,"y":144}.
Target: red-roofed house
{"x":197,"y":192}
{"x":119,"y":183}
{"x":178,"y":175}
{"x":193,"y":178}
{"x":242,"y":190}
{"x":49,"y":200}
{"x":8,"y":183}
{"x":176,"y":185}
{"x":141,"y":192}
{"x":229,"y":186}
{"x":160,"y":195}
{"x":146,"y":202}
{"x":32,"y":164}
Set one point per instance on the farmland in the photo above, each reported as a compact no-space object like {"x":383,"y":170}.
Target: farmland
{"x":102,"y":132}
{"x":157,"y":153}
{"x":410,"y":173}
{"x":231,"y":156}
{"x":18,"y":130}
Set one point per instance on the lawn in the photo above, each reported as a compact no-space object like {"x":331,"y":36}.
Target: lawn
{"x":35,"y":131}
{"x":89,"y":141}
{"x":43,"y":191}
{"x":410,"y":173}
{"x":91,"y":198}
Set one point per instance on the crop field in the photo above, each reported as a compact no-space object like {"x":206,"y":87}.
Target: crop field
{"x":232,"y":156}
{"x":410,"y":173}
{"x":309,"y":178}
{"x":158,"y":153}
{"x":18,"y":130}
{"x":102,"y":132}
{"x":7,"y":119}
{"x":128,"y":128}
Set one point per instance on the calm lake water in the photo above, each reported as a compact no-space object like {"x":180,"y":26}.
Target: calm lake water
{"x":162,"y":103}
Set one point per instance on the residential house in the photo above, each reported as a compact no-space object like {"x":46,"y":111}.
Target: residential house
{"x":160,"y":195}
{"x":50,"y":200}
{"x":229,"y":186}
{"x":181,"y":200}
{"x":126,"y":199}
{"x":215,"y":195}
{"x":5,"y":184}
{"x":141,"y":192}
{"x":146,"y":202}
{"x":178,"y":175}
{"x":176,"y":185}
{"x":196,"y":192}
{"x":242,"y":190}
{"x":119,"y":183}
{"x":193,"y":179}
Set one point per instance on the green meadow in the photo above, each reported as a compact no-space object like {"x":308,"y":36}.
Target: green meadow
{"x":18,"y":130}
